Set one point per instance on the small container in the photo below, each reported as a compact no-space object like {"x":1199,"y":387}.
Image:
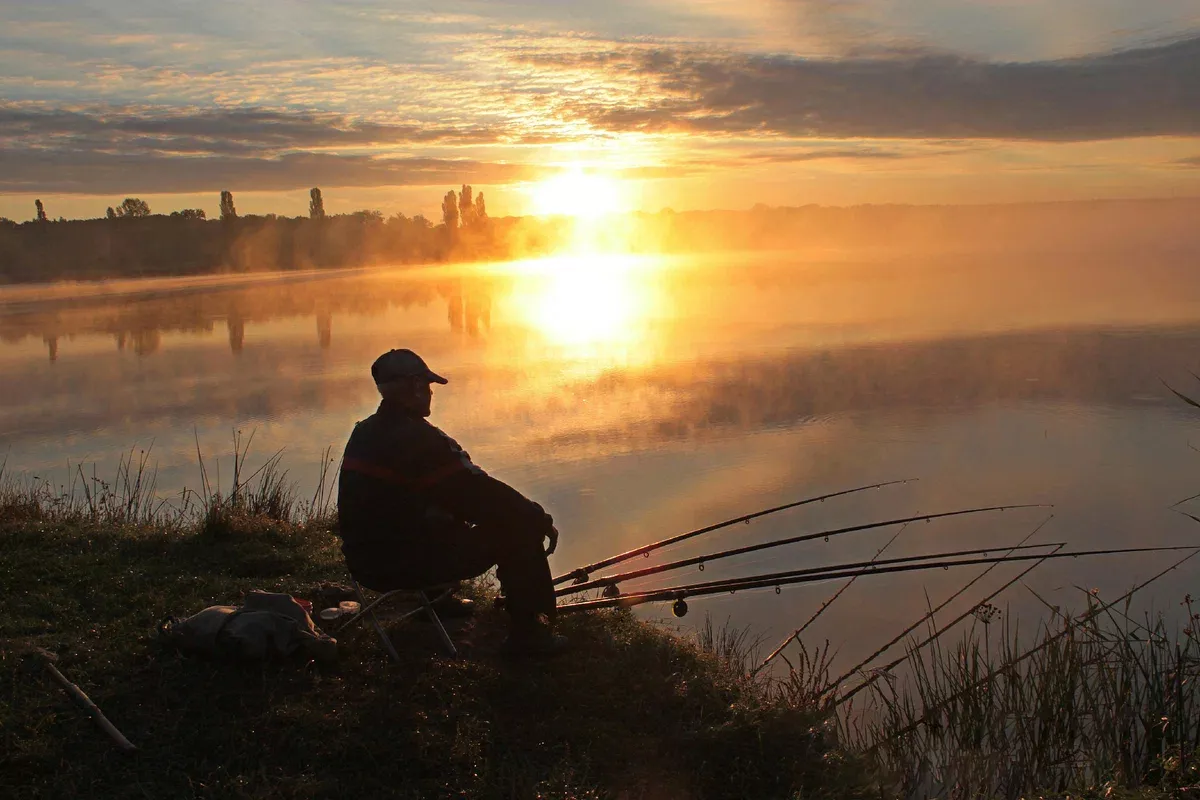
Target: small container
{"x":330,"y":614}
{"x":348,"y":608}
{"x":305,"y":604}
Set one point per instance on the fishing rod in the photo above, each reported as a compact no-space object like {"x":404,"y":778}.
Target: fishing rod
{"x":582,"y":574}
{"x":680,"y":593}
{"x":860,"y":567}
{"x":612,"y":580}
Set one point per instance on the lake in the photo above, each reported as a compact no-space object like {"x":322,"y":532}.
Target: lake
{"x":637,"y":397}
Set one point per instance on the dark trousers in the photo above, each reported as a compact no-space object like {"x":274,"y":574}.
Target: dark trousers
{"x":457,"y":552}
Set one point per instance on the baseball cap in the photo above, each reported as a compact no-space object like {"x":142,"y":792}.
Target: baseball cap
{"x":402,"y":364}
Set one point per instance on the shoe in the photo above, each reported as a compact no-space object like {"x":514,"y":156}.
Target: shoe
{"x":454,"y":607}
{"x":534,"y":642}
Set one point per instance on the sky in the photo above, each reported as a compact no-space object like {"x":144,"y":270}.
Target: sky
{"x":681,"y":103}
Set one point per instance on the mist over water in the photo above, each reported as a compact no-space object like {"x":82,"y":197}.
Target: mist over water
{"x":641,"y":396}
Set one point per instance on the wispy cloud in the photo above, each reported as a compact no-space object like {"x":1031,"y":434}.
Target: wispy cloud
{"x":1147,"y":92}
{"x":220,"y":130}
{"x":84,"y":172}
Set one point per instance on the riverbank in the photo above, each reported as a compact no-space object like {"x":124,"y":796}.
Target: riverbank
{"x":631,"y":712}
{"x":1097,"y":700}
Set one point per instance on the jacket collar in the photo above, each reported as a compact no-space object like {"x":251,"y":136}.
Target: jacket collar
{"x":393,"y":410}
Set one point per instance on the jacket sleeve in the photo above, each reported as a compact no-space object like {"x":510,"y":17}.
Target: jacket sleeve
{"x":455,"y":483}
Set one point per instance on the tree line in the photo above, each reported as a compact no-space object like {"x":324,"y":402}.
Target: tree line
{"x":132,"y":240}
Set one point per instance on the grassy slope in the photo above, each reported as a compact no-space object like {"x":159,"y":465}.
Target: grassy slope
{"x":632,"y":712}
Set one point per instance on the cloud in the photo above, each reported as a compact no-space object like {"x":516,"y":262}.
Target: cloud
{"x":545,"y":88}
{"x":149,"y":150}
{"x":1153,"y":91}
{"x":223,"y":130}
{"x":794,"y":156}
{"x":84,"y":172}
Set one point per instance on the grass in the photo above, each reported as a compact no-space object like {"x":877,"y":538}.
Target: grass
{"x":1091,"y":704}
{"x":90,"y":569}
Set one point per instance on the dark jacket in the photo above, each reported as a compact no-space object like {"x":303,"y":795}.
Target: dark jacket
{"x":403,"y":479}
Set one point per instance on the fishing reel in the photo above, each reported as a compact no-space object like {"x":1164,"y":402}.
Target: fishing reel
{"x":679,"y":608}
{"x":611,"y":591}
{"x":580,"y":576}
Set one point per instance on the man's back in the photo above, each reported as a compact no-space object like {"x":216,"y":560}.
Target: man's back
{"x":402,"y":477}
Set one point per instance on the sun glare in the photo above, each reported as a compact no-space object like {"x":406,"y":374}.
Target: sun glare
{"x":595,"y":306}
{"x":577,"y":192}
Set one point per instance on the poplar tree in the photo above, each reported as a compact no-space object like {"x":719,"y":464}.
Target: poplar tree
{"x":450,"y":211}
{"x":228,"y":212}
{"x":466,"y":207}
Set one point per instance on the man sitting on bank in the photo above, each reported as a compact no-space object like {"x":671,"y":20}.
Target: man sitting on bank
{"x":414,"y":511}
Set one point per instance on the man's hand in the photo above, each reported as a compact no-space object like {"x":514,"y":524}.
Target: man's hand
{"x":552,"y":535}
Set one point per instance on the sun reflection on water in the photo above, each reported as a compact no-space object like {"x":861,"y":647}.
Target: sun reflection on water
{"x":595,"y":308}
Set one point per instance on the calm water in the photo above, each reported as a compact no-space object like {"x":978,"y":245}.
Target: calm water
{"x":636,"y":398}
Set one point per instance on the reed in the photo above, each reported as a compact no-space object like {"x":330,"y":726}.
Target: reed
{"x":253,"y":500}
{"x":129,"y":498}
{"x":1084,"y":703}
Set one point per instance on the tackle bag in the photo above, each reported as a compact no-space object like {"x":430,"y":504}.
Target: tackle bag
{"x":267,"y":624}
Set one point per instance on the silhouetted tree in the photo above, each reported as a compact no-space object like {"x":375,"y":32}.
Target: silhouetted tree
{"x":316,"y":206}
{"x":450,"y":211}
{"x":228,"y":212}
{"x":111,"y":213}
{"x":466,"y":207}
{"x":133,"y":207}
{"x":41,"y":211}
{"x":190,"y":213}
{"x":480,"y":210}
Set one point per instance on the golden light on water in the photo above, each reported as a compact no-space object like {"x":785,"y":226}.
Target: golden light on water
{"x":577,"y":192}
{"x":593,"y":307}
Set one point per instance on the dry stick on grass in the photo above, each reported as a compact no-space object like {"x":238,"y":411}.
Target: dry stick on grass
{"x":82,"y":700}
{"x":888,"y":646}
{"x":796,"y":633}
{"x":1067,"y":630}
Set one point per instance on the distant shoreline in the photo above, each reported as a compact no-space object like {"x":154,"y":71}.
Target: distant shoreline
{"x":217,"y":252}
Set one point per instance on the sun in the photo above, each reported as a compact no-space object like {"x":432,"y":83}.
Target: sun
{"x":576,"y":192}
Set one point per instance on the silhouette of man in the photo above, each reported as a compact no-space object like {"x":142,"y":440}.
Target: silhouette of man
{"x":414,"y":511}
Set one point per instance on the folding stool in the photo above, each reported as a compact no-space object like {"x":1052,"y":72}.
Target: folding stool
{"x":427,"y":597}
